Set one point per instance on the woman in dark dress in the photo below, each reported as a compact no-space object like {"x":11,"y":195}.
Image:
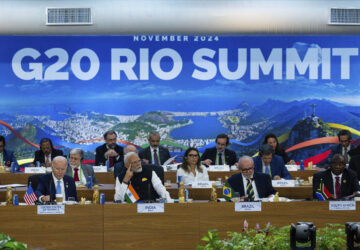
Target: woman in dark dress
{"x":272,"y":140}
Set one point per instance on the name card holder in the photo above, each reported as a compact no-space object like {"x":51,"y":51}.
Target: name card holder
{"x":202,"y":184}
{"x":100,"y":169}
{"x":150,"y":208}
{"x":283,"y":183}
{"x":51,"y":209}
{"x":342,"y":205}
{"x":35,"y":170}
{"x":292,"y":167}
{"x":171,"y":167}
{"x":248,"y":207}
{"x":219,"y":168}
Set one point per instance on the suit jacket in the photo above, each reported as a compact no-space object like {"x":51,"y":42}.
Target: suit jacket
{"x":9,"y":157}
{"x":349,"y":182}
{"x":262,"y":181}
{"x":163,"y":153}
{"x":40,"y":157}
{"x":87,"y":171}
{"x":101,"y":150}
{"x":337,"y":150}
{"x":277,"y":167}
{"x":210,"y":153}
{"x":355,"y":164}
{"x":46,"y":186}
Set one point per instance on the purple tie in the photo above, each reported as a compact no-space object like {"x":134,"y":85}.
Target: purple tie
{"x":156,"y":160}
{"x":337,"y":187}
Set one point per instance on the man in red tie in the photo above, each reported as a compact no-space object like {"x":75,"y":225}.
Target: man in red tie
{"x":109,"y":151}
{"x":339,"y":181}
{"x":80,"y":172}
{"x":46,"y":153}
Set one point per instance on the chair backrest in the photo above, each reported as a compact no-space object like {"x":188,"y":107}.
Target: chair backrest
{"x":34,"y":180}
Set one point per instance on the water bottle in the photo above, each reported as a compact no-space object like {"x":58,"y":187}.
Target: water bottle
{"x":15,"y":200}
{"x":13,"y":167}
{"x":302,"y":165}
{"x":102,"y":199}
{"x":107,"y":165}
{"x":37,"y":164}
{"x":89,"y":182}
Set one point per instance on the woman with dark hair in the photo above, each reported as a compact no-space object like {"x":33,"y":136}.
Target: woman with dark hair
{"x":191,"y":169}
{"x":272,"y":140}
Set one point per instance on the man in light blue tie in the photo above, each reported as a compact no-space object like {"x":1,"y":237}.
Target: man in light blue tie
{"x":56,"y":185}
{"x":269,"y":163}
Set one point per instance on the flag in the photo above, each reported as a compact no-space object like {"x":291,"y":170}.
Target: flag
{"x":30,"y":196}
{"x":322,"y":192}
{"x":131,"y":196}
{"x":227,"y":191}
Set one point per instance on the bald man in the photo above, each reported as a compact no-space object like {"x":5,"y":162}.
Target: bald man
{"x":56,"y":183}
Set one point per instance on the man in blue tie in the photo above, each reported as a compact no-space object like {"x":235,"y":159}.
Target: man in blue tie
{"x":154,"y":154}
{"x":56,"y":184}
{"x":269,"y":163}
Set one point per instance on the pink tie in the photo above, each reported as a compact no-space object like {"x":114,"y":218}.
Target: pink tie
{"x":337,"y":187}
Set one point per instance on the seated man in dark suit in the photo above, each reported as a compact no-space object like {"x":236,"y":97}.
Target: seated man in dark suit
{"x":249,"y":183}
{"x":219,"y":155}
{"x":343,"y":147}
{"x":109,"y":151}
{"x":6,"y":156}
{"x":80,"y":172}
{"x":46,"y":153}
{"x":143,"y":180}
{"x":339,"y":181}
{"x":269,"y":163}
{"x":119,"y":167}
{"x":56,"y":183}
{"x":355,"y":164}
{"x":155,"y":153}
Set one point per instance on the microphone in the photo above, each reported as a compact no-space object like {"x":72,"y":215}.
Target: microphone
{"x":149,"y":193}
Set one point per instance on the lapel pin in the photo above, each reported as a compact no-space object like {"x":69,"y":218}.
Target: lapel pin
{"x":344,"y":181}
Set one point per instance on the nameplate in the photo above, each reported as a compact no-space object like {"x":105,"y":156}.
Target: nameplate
{"x":247,"y":206}
{"x":283,"y":183}
{"x":292,"y":167}
{"x":202,"y":184}
{"x":150,"y":208}
{"x":35,"y":170}
{"x":171,"y":167}
{"x":51,"y":209}
{"x":100,"y":169}
{"x":342,"y":205}
{"x":219,"y":168}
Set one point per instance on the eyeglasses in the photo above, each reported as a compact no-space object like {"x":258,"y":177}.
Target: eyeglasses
{"x":344,"y":141}
{"x":193,"y":156}
{"x":247,"y":169}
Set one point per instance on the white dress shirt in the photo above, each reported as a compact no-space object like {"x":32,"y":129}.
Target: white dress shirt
{"x":120,"y":189}
{"x":256,"y":194}
{"x":189,"y":178}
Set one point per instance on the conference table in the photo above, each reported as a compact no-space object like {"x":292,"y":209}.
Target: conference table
{"x":181,"y":226}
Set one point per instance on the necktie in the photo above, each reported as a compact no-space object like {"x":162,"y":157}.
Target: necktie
{"x":250,"y":190}
{"x":267,"y":169}
{"x":58,"y":187}
{"x":220,"y":159}
{"x":47,"y":161}
{"x":76,"y":174}
{"x":337,"y":187}
{"x":156,"y":159}
{"x":111,"y":161}
{"x":346,"y":156}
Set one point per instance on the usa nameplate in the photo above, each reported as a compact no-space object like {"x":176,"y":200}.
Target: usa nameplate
{"x":51,"y":209}
{"x":247,"y":206}
{"x":100,"y":169}
{"x":283,"y":183}
{"x":342,"y":205}
{"x":35,"y":170}
{"x":202,"y":184}
{"x":219,"y":168}
{"x":150,"y":208}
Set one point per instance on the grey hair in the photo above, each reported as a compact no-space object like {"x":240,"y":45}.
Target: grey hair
{"x":154,"y":133}
{"x":129,"y":148}
{"x":244,"y":158}
{"x":77,"y":151}
{"x":59,"y":158}
{"x":127,"y":157}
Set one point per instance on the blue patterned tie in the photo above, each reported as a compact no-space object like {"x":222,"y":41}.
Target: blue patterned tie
{"x":58,"y":187}
{"x":267,"y":170}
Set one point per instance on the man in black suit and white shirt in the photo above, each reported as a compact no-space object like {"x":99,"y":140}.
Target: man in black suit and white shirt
{"x":109,"y":150}
{"x":155,"y":153}
{"x":46,"y":153}
{"x":250,"y":184}
{"x":219,"y":155}
{"x":343,"y":147}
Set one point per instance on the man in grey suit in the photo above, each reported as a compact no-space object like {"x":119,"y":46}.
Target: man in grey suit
{"x":78,"y":171}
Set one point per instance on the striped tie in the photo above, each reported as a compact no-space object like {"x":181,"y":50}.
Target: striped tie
{"x":250,"y":190}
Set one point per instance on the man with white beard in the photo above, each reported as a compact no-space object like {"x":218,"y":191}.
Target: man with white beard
{"x":139,"y":181}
